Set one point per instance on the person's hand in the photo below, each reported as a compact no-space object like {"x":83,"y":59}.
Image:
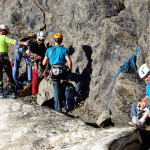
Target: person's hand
{"x":38,"y":57}
{"x":27,"y":52}
{"x":26,"y":43}
{"x":140,"y":105}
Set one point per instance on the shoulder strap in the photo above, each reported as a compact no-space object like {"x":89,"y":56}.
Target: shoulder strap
{"x":29,"y":45}
{"x":52,"y":51}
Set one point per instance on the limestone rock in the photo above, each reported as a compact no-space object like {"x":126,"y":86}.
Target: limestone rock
{"x":100,"y":35}
{"x":129,"y":88}
{"x":29,"y":127}
{"x":104,"y":117}
{"x":46,"y":92}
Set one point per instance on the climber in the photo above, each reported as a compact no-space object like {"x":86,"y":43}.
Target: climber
{"x":58,"y":56}
{"x":4,"y":58}
{"x":38,"y":54}
{"x":21,"y":52}
{"x":27,"y":53}
{"x":144,"y":104}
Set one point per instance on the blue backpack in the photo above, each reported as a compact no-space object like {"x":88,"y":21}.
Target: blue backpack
{"x":69,"y":97}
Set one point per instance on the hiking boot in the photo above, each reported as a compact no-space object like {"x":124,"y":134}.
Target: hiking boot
{"x":131,"y":123}
{"x":1,"y":95}
{"x":34,"y":96}
{"x":15,"y":95}
{"x":8,"y":90}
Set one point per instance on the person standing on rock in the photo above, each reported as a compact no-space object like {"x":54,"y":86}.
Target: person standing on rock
{"x":140,"y":110}
{"x":38,"y":54}
{"x":58,"y":56}
{"x":4,"y":58}
{"x":21,"y":53}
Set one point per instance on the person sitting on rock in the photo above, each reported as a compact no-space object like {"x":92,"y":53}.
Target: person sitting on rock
{"x":140,"y":110}
{"x":4,"y":59}
{"x":58,"y":56}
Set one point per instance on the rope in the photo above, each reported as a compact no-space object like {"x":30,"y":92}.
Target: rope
{"x":128,"y":66}
{"x":12,"y":84}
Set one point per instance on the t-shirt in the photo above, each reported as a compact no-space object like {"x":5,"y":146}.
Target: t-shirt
{"x":148,"y":90}
{"x":34,"y":46}
{"x":57,"y":54}
{"x":148,"y":94}
{"x":4,"y":40}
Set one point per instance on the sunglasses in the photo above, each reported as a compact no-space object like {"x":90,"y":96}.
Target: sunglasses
{"x":40,"y":40}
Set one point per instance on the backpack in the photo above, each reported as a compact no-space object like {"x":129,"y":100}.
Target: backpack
{"x":24,"y":48}
{"x":69,"y":97}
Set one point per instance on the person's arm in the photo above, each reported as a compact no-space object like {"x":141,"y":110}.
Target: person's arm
{"x":45,"y":60}
{"x":69,"y":62}
{"x":23,"y":43}
{"x":15,"y":42}
{"x":33,"y":54}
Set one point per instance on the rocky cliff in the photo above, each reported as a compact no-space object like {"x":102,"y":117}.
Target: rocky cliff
{"x":100,"y":35}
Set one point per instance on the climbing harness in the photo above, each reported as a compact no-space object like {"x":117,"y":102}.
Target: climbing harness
{"x":56,"y":71}
{"x":128,"y":66}
{"x":3,"y":56}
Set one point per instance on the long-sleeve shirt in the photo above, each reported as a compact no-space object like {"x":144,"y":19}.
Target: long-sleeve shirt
{"x":4,"y":40}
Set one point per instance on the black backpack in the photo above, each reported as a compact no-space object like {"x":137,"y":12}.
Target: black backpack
{"x":69,"y":97}
{"x":24,"y":48}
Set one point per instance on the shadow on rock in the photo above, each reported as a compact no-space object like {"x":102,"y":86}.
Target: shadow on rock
{"x":87,"y":71}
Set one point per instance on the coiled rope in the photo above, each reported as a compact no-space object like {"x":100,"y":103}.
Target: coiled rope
{"x":128,"y":66}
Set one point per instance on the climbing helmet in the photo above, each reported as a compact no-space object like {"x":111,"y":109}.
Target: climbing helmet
{"x":58,"y":36}
{"x":4,"y":27}
{"x":41,"y":35}
{"x":143,"y":70}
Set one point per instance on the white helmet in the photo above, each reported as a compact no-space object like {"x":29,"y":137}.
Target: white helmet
{"x":4,"y":27}
{"x":143,"y":71}
{"x":41,"y":35}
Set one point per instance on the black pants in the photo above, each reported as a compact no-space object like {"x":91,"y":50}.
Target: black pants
{"x":7,"y":67}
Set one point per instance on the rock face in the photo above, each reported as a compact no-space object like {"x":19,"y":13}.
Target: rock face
{"x":100,"y":36}
{"x":29,"y":127}
{"x":127,"y":90}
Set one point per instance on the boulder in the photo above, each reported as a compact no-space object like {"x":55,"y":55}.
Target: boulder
{"x":46,"y":92}
{"x":100,"y":35}
{"x":27,"y":126}
{"x":129,"y":88}
{"x":103,"y":118}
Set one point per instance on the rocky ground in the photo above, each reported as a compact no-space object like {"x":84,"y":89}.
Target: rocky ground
{"x":29,"y":126}
{"x":79,"y":112}
{"x":100,"y":36}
